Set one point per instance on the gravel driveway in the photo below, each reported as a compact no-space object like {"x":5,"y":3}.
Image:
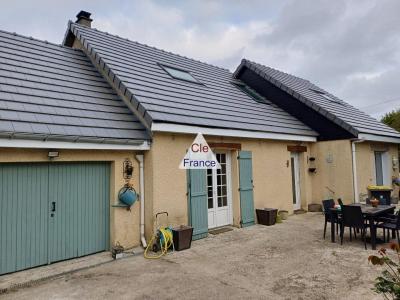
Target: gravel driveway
{"x":285,"y":261}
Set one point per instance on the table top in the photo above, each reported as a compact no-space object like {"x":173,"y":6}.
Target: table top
{"x":369,"y":210}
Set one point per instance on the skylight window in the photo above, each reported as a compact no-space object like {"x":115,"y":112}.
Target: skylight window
{"x":180,"y":74}
{"x":327,"y":97}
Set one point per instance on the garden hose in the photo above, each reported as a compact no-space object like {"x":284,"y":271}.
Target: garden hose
{"x":166,"y":241}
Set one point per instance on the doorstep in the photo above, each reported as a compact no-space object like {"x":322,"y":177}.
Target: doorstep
{"x":220,"y":230}
{"x":35,"y":275}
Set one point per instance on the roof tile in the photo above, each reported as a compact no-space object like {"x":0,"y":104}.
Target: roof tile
{"x":165,"y":99}
{"x":50,"y":90}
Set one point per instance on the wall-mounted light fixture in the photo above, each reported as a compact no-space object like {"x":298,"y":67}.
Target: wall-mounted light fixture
{"x":395,"y":162}
{"x":52,"y":154}
{"x":127,"y":169}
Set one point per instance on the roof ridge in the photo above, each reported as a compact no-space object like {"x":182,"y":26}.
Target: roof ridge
{"x":312,"y":85}
{"x":36,"y":39}
{"x":258,"y":64}
{"x":148,"y":46}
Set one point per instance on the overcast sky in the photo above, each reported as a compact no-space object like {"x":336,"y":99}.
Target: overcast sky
{"x":351,"y":48}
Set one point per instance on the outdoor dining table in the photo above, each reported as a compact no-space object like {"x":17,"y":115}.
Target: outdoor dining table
{"x":370,"y":213}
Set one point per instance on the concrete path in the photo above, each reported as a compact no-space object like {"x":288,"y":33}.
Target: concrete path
{"x":285,"y":261}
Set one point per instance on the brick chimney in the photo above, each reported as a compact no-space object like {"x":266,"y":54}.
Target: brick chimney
{"x":83,"y":18}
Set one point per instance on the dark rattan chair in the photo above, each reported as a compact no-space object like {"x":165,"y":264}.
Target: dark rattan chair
{"x":390,"y":223}
{"x":352,"y":217}
{"x":327,"y":205}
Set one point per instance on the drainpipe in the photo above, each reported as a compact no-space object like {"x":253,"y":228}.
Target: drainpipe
{"x":354,"y":163}
{"x":140,"y":159}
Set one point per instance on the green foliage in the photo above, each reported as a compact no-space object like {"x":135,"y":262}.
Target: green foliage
{"x":388,"y":283}
{"x":392,"y":119}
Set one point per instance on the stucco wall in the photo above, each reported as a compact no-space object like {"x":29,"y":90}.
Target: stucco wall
{"x":366,"y":165}
{"x":333,"y":177}
{"x":168,"y":185}
{"x":124,"y":225}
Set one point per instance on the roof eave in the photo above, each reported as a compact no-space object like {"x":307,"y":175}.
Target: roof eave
{"x":188,"y":129}
{"x":60,"y":144}
{"x":378,"y":138}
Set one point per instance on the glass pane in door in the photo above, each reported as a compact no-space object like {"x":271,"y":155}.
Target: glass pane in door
{"x":293,"y":180}
{"x":378,"y":168}
{"x":210,"y":197}
{"x":221,"y":181}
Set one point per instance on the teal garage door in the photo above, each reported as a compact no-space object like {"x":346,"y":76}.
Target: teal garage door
{"x":51,"y":212}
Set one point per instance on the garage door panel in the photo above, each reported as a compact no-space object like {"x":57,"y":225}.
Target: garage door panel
{"x":81,"y":206}
{"x":23,"y":216}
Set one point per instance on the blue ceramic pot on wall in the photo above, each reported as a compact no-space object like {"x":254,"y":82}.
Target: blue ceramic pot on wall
{"x":127,"y":195}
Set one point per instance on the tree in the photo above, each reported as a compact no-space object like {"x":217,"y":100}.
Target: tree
{"x":392,"y":119}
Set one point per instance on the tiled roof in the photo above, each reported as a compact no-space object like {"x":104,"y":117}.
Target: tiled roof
{"x":52,"y":92}
{"x":333,"y":108}
{"x":159,"y":98}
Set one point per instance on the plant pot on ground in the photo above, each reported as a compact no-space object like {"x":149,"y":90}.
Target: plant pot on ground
{"x":284,"y":214}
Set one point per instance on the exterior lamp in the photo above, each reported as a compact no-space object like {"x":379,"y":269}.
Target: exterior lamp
{"x":395,"y":162}
{"x":53,"y":154}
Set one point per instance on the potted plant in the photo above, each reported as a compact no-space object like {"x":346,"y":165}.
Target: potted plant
{"x":283,"y":214}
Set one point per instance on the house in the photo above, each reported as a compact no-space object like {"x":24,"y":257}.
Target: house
{"x":71,"y":116}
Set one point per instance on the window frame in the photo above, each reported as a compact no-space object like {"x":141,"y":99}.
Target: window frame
{"x":327,"y":97}
{"x":253,"y":94}
{"x":166,"y":67}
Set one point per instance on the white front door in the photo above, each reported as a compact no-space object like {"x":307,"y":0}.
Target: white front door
{"x":219,"y":193}
{"x":294,"y":162}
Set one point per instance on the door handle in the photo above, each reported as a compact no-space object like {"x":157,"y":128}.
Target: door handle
{"x":53,"y":206}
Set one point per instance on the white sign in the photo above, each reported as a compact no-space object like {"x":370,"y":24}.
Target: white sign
{"x":199,"y":156}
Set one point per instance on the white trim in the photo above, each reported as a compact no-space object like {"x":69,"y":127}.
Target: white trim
{"x":229,"y":208}
{"x":140,"y":159}
{"x":297,"y":185}
{"x":17,"y":143}
{"x":378,"y":138}
{"x":177,"y":128}
{"x":354,"y":165}
{"x":229,"y":185}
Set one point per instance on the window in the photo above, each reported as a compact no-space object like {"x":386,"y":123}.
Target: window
{"x":327,"y":97}
{"x":249,"y":91}
{"x":180,"y":74}
{"x":378,"y":168}
{"x":382,"y":168}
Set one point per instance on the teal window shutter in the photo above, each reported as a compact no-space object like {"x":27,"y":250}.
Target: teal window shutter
{"x":246,"y":188}
{"x":198,"y":210}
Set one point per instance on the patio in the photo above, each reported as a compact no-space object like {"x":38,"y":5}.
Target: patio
{"x":284,"y":261}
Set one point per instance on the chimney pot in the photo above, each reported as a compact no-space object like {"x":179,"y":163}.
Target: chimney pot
{"x":83,"y":18}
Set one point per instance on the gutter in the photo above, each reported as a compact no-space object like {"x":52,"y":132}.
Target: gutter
{"x":354,"y":164}
{"x":140,"y":159}
{"x":50,"y":144}
{"x":189,"y":129}
{"x":379,"y":138}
